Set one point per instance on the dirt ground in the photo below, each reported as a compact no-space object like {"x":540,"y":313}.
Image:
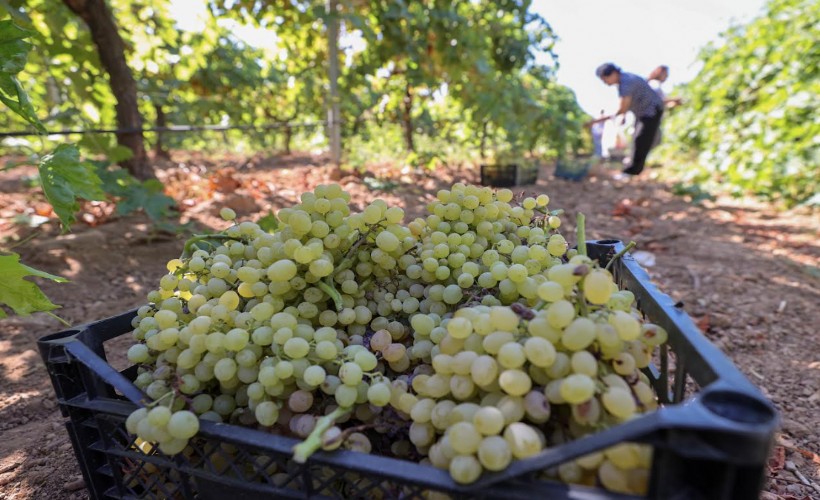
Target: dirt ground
{"x":746,"y":272}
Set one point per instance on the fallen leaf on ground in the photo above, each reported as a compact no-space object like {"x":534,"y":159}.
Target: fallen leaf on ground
{"x":777,"y":461}
{"x":622,"y":208}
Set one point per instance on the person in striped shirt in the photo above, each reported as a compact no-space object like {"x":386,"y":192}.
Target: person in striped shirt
{"x":638,"y":97}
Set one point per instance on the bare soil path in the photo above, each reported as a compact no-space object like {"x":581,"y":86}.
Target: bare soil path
{"x":746,"y":272}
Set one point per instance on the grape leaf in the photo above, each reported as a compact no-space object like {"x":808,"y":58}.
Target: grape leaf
{"x":13,"y":52}
{"x":269,"y":222}
{"x":13,"y":96}
{"x":150,"y":197}
{"x":13,"y":47}
{"x":134,"y":195}
{"x":65,"y":179}
{"x":23,"y":296}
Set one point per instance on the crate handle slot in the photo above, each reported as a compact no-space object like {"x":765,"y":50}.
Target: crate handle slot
{"x":106,"y":372}
{"x":738,"y":407}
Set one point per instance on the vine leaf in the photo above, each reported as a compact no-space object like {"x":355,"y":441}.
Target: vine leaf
{"x":269,"y":222}
{"x":21,"y":295}
{"x":65,"y":179}
{"x":13,"y":52}
{"x":151,"y":197}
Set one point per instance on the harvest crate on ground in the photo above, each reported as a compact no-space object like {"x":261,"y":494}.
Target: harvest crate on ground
{"x":573,"y":169}
{"x":711,"y":437}
{"x":509,"y":175}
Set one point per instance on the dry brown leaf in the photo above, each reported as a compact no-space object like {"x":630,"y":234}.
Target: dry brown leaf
{"x":787,"y":443}
{"x":777,"y":460}
{"x":622,"y":208}
{"x":43,"y":209}
{"x":224,"y":181}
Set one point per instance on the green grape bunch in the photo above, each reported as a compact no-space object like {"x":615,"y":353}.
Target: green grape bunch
{"x":466,"y":339}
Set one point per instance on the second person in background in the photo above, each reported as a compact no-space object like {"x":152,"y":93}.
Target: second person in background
{"x":638,"y":97}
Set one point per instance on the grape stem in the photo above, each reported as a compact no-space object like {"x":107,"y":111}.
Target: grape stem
{"x":327,"y":287}
{"x":555,"y":212}
{"x":580,"y":234}
{"x":581,"y":238}
{"x":312,"y":443}
{"x":154,"y":403}
{"x":193,"y":240}
{"x":61,"y":320}
{"x":347,"y":261}
{"x":620,"y":254}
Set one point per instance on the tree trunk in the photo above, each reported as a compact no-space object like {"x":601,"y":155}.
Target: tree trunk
{"x":111,"y":50}
{"x":357,"y":125}
{"x":288,"y":137}
{"x":159,"y":148}
{"x":483,"y":145}
{"x":407,"y":119}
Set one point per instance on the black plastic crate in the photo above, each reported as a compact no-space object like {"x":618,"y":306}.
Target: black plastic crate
{"x":574,"y":169}
{"x":711,"y":438}
{"x":508,"y":175}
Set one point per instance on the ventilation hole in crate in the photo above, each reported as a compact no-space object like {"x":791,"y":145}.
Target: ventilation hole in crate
{"x":147,"y":480}
{"x":170,"y":487}
{"x":369,"y":487}
{"x":375,"y":487}
{"x":225,"y":458}
{"x":116,"y":437}
{"x":258,"y":467}
{"x":263,"y":468}
{"x":680,"y":384}
{"x":327,"y":481}
{"x":243,"y":464}
{"x":415,"y":492}
{"x":738,"y":407}
{"x":116,"y":350}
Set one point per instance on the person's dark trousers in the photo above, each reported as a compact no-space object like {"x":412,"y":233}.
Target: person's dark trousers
{"x":643,"y":142}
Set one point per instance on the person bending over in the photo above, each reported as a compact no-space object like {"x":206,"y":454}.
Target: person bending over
{"x":639,"y":98}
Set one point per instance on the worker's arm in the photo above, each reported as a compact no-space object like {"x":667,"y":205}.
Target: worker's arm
{"x":626,"y":102}
{"x":671,"y":102}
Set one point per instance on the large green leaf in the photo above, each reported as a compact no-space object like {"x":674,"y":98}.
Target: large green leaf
{"x":13,"y":52}
{"x":13,"y":47}
{"x":13,"y":96}
{"x":65,"y":179}
{"x":21,"y":295}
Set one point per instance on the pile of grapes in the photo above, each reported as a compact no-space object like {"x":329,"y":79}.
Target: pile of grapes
{"x":467,"y":339}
